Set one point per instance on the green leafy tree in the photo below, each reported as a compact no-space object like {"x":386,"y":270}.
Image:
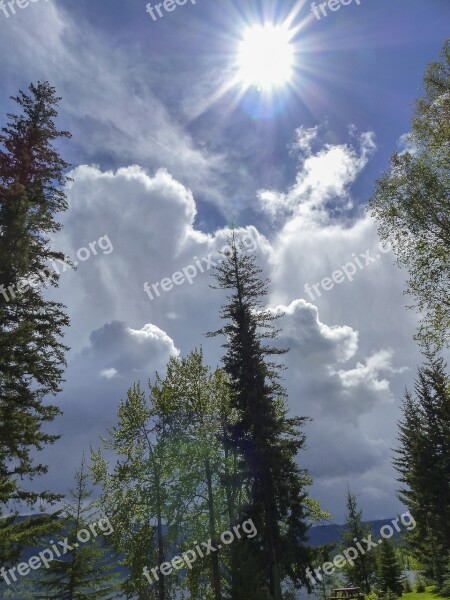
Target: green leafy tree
{"x":362,"y":573}
{"x":86,"y":572}
{"x":423,"y":462}
{"x":264,"y":435}
{"x":31,"y":327}
{"x":390,"y":574}
{"x":412,"y":205}
{"x":177,"y":484}
{"x":193,"y":404}
{"x":135,"y":492}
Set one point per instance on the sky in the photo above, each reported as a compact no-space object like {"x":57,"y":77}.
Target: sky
{"x":171,"y":146}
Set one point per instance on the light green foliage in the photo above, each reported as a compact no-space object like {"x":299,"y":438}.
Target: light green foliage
{"x":412,"y":206}
{"x":175,"y":483}
{"x":136,"y":488}
{"x":419,"y":583}
{"x":445,"y":587}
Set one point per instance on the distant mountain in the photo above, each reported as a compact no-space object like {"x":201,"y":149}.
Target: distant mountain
{"x":332,"y":534}
{"x":318,"y":535}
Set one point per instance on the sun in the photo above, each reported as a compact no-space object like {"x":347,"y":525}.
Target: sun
{"x":265,"y":57}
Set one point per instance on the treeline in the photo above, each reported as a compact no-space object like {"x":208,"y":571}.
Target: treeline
{"x":198,"y":454}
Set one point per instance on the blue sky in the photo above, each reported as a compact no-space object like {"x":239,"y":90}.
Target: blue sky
{"x":163,"y":160}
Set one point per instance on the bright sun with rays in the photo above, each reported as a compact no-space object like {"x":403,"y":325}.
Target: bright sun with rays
{"x":265,"y":57}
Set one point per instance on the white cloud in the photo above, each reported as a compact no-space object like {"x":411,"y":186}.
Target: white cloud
{"x":368,"y":374}
{"x":324,"y":176}
{"x":305,"y":331}
{"x":339,"y":371}
{"x":108,"y":373}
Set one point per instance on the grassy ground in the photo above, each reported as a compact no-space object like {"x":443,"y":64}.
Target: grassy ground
{"x":427,"y":595}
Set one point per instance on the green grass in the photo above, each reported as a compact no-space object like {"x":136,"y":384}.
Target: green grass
{"x":428,"y":594}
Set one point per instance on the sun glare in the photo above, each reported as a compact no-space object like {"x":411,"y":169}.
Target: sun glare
{"x":265,"y":57}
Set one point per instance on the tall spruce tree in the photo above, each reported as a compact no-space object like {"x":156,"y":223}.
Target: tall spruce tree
{"x":423,"y":462}
{"x":86,"y":573}
{"x":268,"y":440}
{"x":31,"y":326}
{"x":390,"y":575}
{"x":361,"y":574}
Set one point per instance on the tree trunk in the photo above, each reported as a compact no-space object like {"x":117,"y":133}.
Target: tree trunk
{"x":272,"y":527}
{"x":161,"y":557}
{"x":213,"y":535}
{"x":230,"y":488}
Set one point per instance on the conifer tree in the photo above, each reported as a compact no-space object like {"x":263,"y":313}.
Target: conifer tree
{"x":390,"y":575}
{"x":445,"y":588}
{"x":31,"y":326}
{"x":268,"y":440}
{"x":361,"y":574}
{"x":86,"y":572}
{"x":423,"y":462}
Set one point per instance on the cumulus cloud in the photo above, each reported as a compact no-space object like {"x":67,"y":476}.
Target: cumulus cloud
{"x":323,"y":176}
{"x":316,"y":349}
{"x":305,"y":332}
{"x":108,"y":373}
{"x":368,"y":374}
{"x":125,"y":351}
{"x":150,"y":221}
{"x":340,"y":370}
{"x":98,"y":377}
{"x":343,"y":365}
